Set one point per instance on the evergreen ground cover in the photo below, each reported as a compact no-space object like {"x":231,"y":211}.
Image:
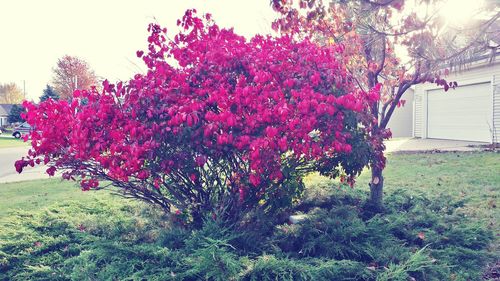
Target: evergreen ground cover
{"x":439,"y":224}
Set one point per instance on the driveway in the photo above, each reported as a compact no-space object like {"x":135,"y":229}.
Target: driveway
{"x":415,"y":145}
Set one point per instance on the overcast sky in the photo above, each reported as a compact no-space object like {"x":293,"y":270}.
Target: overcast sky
{"x":106,"y":33}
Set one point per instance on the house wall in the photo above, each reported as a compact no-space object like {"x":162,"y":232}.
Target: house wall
{"x":496,"y":108}
{"x":3,"y":121}
{"x":481,"y":73}
{"x":402,"y":119}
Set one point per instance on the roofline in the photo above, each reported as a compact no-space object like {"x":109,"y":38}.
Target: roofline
{"x":483,"y":60}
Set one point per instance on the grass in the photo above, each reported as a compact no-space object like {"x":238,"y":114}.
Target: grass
{"x":439,"y":225}
{"x":473,"y":178}
{"x":38,"y":194}
{"x":6,"y":142}
{"x":468,"y":176}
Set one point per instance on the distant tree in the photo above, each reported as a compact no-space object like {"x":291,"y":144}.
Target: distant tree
{"x":10,"y":93}
{"x":72,"y":73}
{"x":15,"y":114}
{"x":49,"y":92}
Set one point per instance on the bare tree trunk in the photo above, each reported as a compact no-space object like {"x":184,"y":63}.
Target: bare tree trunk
{"x":375,"y":202}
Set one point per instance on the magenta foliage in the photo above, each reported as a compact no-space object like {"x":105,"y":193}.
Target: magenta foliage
{"x":217,"y":124}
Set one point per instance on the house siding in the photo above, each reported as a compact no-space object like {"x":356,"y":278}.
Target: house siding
{"x":496,"y":108}
{"x":3,"y":121}
{"x":483,"y":73}
{"x":418,"y":115}
{"x":401,"y":120}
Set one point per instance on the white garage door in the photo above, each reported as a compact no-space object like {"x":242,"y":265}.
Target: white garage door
{"x":461,"y":114}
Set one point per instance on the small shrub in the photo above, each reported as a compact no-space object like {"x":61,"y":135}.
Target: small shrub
{"x":112,"y":260}
{"x":270,"y":268}
{"x":213,"y":260}
{"x":417,"y":263}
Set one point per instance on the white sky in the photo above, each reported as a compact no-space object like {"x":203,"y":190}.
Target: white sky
{"x":106,"y":33}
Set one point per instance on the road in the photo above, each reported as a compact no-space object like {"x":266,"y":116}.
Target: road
{"x":8,"y":157}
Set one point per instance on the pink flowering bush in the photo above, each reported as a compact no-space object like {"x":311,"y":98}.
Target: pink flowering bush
{"x":217,"y":126}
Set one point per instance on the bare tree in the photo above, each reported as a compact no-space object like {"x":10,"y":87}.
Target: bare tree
{"x":10,"y":93}
{"x":370,"y":30}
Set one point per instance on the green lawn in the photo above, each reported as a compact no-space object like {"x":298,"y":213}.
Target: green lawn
{"x":33,"y":195}
{"x":471,"y":177}
{"x":6,"y":141}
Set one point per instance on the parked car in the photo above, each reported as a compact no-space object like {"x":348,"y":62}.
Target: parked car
{"x":21,"y":130}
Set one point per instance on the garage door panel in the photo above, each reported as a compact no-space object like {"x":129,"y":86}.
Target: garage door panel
{"x":461,"y":114}
{"x":460,"y":119}
{"x":445,"y":97}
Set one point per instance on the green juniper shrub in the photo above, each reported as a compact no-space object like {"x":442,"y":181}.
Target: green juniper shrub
{"x":211,"y":254}
{"x":111,"y":260}
{"x":213,"y":259}
{"x":417,"y":263}
{"x":255,"y":230}
{"x":174,"y":238}
{"x":270,"y":267}
{"x":341,"y":270}
{"x":417,"y":237}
